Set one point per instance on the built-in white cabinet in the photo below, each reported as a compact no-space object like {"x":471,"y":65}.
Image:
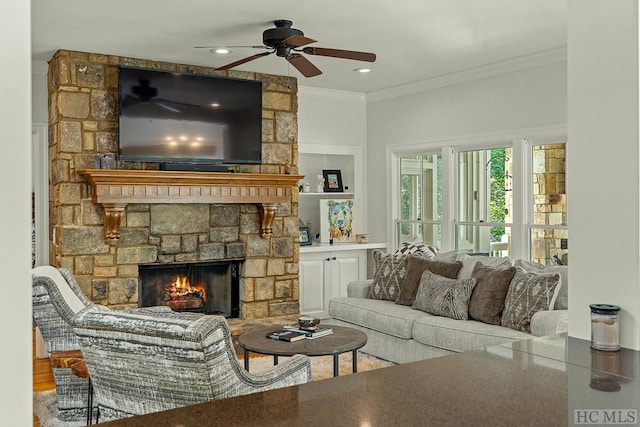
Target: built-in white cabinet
{"x":325,"y":270}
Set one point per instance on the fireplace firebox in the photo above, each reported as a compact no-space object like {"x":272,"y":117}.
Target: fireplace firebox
{"x":211,"y":287}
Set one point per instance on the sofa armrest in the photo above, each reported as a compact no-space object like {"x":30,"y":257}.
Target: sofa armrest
{"x":549,"y":322}
{"x":359,"y":288}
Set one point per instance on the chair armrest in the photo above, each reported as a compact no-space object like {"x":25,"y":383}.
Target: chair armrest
{"x":548,"y":322}
{"x":359,"y":288}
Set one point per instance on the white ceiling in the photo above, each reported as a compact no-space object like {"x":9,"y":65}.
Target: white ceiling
{"x":414,"y":39}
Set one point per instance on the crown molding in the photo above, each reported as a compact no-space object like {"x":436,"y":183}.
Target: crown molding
{"x":331,"y":94}
{"x":495,"y":69}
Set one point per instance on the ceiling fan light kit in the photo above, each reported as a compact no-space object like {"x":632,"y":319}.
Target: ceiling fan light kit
{"x":287,"y":42}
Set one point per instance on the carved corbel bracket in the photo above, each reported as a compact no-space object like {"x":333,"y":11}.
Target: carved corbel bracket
{"x":267,"y":212}
{"x":112,"y":218}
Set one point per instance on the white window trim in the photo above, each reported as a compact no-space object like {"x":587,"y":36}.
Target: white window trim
{"x":521,"y":141}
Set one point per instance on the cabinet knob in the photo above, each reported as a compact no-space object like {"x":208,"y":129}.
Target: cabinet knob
{"x":328,"y":259}
{"x":334,"y":258}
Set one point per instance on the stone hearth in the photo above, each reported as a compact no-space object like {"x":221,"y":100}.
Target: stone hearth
{"x":83,"y":122}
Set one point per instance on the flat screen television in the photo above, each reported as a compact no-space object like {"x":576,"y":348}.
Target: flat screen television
{"x":186,"y":121}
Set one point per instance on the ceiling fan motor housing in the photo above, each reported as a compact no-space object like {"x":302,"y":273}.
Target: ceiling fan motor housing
{"x":273,"y":37}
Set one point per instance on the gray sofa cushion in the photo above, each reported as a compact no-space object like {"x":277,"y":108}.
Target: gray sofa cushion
{"x":461,"y":335}
{"x":379,"y":315}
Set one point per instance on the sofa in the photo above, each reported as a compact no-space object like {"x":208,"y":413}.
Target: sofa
{"x":401,"y":332}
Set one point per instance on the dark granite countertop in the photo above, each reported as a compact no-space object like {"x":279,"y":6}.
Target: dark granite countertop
{"x":539,"y":382}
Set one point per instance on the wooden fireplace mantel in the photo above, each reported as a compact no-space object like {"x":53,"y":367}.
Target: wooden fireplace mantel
{"x":114,"y":189}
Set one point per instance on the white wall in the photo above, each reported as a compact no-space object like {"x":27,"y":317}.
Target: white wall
{"x":331,"y":117}
{"x":603,"y":163}
{"x":530,"y":98}
{"x":15,"y":252}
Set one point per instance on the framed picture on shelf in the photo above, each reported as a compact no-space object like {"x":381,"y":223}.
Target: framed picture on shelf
{"x":304,"y":237}
{"x":332,"y":181}
{"x":336,"y":220}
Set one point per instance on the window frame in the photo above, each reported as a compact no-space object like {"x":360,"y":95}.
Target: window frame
{"x":522,"y":185}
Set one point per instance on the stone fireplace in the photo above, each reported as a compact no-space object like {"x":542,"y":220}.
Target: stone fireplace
{"x":83,"y":122}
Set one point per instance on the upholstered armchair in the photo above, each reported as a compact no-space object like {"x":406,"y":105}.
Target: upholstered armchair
{"x":147,"y":362}
{"x":56,"y":299}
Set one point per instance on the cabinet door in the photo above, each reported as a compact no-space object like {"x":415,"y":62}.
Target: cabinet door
{"x":346,"y":267}
{"x":314,"y":295}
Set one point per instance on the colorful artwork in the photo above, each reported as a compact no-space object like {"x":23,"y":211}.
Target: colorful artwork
{"x":338,"y":222}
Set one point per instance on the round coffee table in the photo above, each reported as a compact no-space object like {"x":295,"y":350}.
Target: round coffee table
{"x":340,"y":341}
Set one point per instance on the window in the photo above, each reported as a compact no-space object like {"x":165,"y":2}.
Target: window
{"x":505,"y":199}
{"x":420,"y":199}
{"x":484,"y":201}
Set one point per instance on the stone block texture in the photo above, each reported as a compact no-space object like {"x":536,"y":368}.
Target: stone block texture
{"x":83,"y":113}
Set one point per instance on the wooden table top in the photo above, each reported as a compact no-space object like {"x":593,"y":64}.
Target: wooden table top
{"x":340,"y":341}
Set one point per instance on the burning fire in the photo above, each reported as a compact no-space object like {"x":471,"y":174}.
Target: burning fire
{"x":182,"y":290}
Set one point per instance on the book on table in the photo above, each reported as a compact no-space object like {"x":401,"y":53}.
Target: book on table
{"x":311,"y":333}
{"x":286,"y":335}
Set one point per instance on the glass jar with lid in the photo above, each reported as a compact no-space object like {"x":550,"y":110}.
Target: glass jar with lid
{"x":605,"y":329}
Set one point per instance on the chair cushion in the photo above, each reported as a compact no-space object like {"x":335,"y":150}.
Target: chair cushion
{"x":382,"y":316}
{"x":461,"y":335}
{"x":416,"y":265}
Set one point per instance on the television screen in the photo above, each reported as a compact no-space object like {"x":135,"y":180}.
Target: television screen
{"x":169,"y":117}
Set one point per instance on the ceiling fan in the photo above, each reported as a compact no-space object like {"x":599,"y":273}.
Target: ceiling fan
{"x":286,"y":42}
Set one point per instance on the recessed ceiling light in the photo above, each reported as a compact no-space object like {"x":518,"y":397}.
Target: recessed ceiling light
{"x":362,"y":70}
{"x":221,"y":50}
{"x":215,"y":104}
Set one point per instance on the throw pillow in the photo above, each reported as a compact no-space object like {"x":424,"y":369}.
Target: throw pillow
{"x":388,"y":273}
{"x":443,"y":296}
{"x":528,"y":294}
{"x":563,"y":293}
{"x":487,"y":300}
{"x":415,"y":267}
{"x":408,"y":248}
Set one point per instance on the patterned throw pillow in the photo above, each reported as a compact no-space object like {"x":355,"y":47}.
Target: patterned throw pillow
{"x":415,"y":267}
{"x":487,"y":300}
{"x":528,"y":294}
{"x":443,"y":296}
{"x":407,"y":248}
{"x":562,"y":301}
{"x":388,"y":273}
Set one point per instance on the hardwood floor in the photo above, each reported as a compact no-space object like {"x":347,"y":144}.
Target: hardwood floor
{"x":42,"y":375}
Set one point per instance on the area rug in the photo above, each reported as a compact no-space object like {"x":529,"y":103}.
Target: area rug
{"x":44,"y":403}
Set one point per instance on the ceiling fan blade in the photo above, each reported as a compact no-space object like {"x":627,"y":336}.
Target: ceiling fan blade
{"x":242,"y":61}
{"x":297,"y":41}
{"x":233,"y":47}
{"x":303,"y":65}
{"x":339,"y":53}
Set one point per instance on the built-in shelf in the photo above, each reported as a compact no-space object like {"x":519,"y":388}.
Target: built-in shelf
{"x":114,"y":189}
{"x":328,"y":195}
